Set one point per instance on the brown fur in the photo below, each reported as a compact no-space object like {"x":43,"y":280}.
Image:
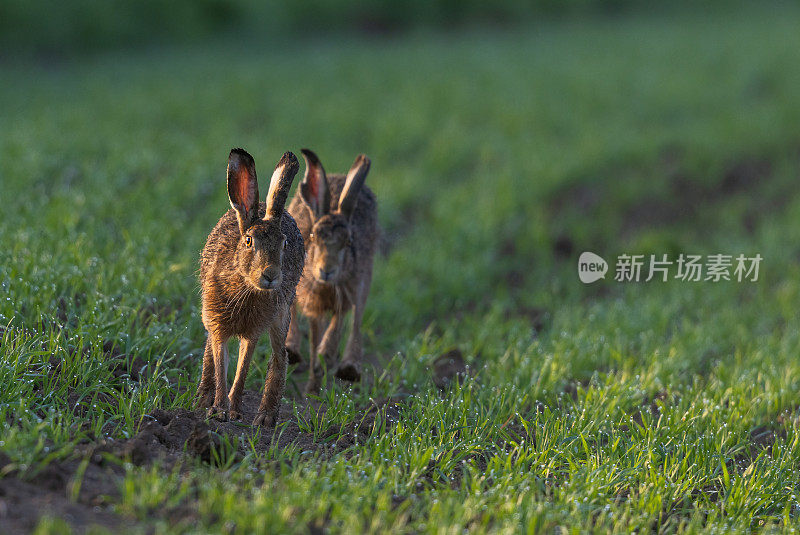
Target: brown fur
{"x":344,"y":241}
{"x":233,"y":305}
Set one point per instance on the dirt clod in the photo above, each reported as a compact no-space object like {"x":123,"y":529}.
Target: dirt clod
{"x":537,"y":316}
{"x":563,"y":247}
{"x":448,"y":367}
{"x":203,"y":443}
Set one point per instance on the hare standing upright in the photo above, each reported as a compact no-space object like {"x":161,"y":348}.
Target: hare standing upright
{"x":249,"y":269}
{"x":338,"y":219}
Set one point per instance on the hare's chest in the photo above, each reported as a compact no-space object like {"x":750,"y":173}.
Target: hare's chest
{"x":323,"y":299}
{"x":249,"y":319}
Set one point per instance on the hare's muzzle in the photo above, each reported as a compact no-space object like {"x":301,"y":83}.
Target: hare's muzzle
{"x":326,"y":276}
{"x":269,"y":280}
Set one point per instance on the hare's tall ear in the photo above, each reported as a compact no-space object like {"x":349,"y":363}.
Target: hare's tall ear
{"x":352,"y":186}
{"x":243,"y":187}
{"x":314,"y":187}
{"x":280,"y":184}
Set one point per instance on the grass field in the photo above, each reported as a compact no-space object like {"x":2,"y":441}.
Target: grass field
{"x":497,"y":159}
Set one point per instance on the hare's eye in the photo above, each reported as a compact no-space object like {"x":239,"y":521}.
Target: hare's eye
{"x":285,"y":242}
{"x":248,"y":241}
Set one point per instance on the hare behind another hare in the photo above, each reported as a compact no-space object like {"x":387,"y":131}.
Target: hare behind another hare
{"x":249,"y":269}
{"x":338,"y":219}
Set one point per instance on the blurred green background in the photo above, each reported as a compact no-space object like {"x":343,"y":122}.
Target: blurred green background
{"x":54,"y":27}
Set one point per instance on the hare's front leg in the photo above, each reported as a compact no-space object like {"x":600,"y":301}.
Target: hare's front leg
{"x":314,"y":372}
{"x":204,"y":397}
{"x":327,"y":349}
{"x":246,"y":348}
{"x":220,"y":349}
{"x":293,"y":339}
{"x":329,"y":346}
{"x":276,"y":376}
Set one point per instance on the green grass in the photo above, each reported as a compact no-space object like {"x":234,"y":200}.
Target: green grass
{"x":634,"y":407}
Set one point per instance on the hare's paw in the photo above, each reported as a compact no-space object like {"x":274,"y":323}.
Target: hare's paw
{"x":313,"y":384}
{"x":265,"y":418}
{"x":218,"y":413}
{"x":348,"y":370}
{"x":235,"y":412}
{"x":293,"y":355}
{"x":300,"y":367}
{"x":204,"y":399}
{"x":235,"y":405}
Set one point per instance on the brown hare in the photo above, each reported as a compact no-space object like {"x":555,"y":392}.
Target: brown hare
{"x":338,"y":219}
{"x":249,"y":269}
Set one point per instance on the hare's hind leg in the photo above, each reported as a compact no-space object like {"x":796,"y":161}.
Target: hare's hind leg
{"x":314,"y":372}
{"x":204,"y":398}
{"x":276,"y":375}
{"x":349,"y":368}
{"x":246,"y":349}
{"x":329,"y":346}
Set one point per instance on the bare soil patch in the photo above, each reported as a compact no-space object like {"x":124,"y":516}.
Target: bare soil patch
{"x":168,"y":435}
{"x":57,"y":491}
{"x":81,"y":488}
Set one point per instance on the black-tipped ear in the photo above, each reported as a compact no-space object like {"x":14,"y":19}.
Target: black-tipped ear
{"x":314,"y":188}
{"x":243,"y":187}
{"x":280,"y":184}
{"x":352,"y":186}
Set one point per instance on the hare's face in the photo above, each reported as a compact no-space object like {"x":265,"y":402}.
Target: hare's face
{"x":259,"y":252}
{"x":260,"y":255}
{"x":328,"y":247}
